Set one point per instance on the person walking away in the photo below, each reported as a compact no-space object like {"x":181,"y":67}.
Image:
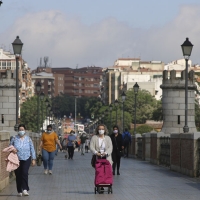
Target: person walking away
{"x":70,"y":144}
{"x":26,"y":153}
{"x":83,"y":138}
{"x":48,"y":143}
{"x":126,"y":142}
{"x":117,"y":142}
{"x":87,"y":143}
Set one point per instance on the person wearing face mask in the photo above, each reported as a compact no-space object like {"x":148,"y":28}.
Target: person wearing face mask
{"x":117,"y":142}
{"x":26,"y":153}
{"x":101,"y":144}
{"x":48,"y":143}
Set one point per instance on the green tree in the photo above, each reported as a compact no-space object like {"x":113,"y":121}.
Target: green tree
{"x":146,"y":105}
{"x":29,"y":113}
{"x":144,"y":129}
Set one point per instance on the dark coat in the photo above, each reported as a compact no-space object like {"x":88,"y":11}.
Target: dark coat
{"x":117,"y":143}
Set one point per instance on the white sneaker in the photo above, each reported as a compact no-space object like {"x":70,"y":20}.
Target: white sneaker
{"x":50,"y":172}
{"x":20,"y":194}
{"x":25,"y":193}
{"x":45,"y":171}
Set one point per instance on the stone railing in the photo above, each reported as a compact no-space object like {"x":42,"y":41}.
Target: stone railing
{"x":179,"y":152}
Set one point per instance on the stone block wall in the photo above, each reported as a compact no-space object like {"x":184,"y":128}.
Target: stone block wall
{"x":4,"y":175}
{"x":184,"y":153}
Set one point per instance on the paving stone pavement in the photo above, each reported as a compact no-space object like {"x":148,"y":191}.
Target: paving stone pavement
{"x":74,"y":180}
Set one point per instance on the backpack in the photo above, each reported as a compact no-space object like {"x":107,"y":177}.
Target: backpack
{"x":126,"y":138}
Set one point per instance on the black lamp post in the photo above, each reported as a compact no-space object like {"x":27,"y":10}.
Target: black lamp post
{"x":17,"y":49}
{"x":49,"y":108}
{"x":116,"y":105}
{"x":47,"y":103}
{"x":187,"y":49}
{"x":42,"y":98}
{"x":123,"y":99}
{"x":38,"y":88}
{"x":51,"y":114}
{"x":1,"y":3}
{"x":136,"y":88}
{"x":110,"y":108}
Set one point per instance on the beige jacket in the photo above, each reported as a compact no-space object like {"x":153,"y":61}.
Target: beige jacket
{"x":94,"y":146}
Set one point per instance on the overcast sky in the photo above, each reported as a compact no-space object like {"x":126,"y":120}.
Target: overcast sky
{"x":98,"y":32}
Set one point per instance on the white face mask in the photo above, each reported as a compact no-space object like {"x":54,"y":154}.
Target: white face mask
{"x":115,"y":131}
{"x":101,"y":132}
{"x":21,"y":133}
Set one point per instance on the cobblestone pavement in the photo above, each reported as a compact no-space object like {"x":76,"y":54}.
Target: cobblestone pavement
{"x":74,"y":180}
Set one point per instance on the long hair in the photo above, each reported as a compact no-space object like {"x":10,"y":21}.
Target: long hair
{"x":105,"y":128}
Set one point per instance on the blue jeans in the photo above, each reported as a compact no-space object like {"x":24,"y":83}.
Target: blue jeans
{"x":48,"y":159}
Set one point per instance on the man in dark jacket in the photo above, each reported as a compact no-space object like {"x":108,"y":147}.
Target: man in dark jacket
{"x":126,"y":142}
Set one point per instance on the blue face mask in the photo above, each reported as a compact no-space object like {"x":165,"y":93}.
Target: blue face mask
{"x":21,"y":133}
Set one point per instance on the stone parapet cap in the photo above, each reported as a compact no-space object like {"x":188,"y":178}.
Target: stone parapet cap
{"x":178,"y":86}
{"x":193,"y":136}
{"x":32,"y":134}
{"x":144,"y":135}
{"x":160,"y":134}
{"x":4,"y":135}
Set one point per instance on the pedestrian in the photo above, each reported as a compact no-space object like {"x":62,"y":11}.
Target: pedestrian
{"x":126,"y":142}
{"x":48,"y":143}
{"x":87,"y":144}
{"x":83,"y":138}
{"x":70,"y":144}
{"x":117,"y":142}
{"x":101,"y":145}
{"x":26,"y":154}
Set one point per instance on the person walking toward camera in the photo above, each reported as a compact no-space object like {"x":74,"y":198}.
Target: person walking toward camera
{"x":70,"y":144}
{"x":117,"y":142}
{"x":26,"y":154}
{"x":126,"y":141}
{"x":48,"y":143}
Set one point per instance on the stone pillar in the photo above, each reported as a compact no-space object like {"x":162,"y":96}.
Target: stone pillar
{"x":4,"y":175}
{"x":155,"y":148}
{"x":133,"y":148}
{"x":184,"y":153}
{"x":146,"y":140}
{"x":173,"y":102}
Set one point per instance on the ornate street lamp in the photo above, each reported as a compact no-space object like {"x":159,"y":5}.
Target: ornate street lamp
{"x":136,"y":88}
{"x":42,"y":99}
{"x":110,"y":108}
{"x":17,"y":49}
{"x":123,"y":99}
{"x":187,"y":49}
{"x":116,"y":102}
{"x":47,"y":103}
{"x":38,"y":89}
{"x":1,"y":3}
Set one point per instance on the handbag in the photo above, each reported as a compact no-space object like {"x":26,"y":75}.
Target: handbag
{"x":93,"y":161}
{"x":39,"y":160}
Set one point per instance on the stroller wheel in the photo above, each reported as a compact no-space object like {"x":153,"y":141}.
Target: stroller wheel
{"x":95,"y":191}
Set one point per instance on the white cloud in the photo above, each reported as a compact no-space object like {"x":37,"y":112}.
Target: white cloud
{"x":69,"y":42}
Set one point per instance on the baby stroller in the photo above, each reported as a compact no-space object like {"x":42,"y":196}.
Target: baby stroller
{"x":103,"y":176}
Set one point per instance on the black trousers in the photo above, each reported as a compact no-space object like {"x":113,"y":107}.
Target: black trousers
{"x":116,"y":161}
{"x":70,"y":151}
{"x":21,"y":174}
{"x":126,"y":150}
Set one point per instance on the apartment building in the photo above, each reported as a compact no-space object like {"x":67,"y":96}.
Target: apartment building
{"x":8,"y":62}
{"x":126,"y":72}
{"x":81,"y":82}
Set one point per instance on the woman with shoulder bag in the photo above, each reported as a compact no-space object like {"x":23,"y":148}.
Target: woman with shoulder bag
{"x":117,"y":141}
{"x":26,"y":154}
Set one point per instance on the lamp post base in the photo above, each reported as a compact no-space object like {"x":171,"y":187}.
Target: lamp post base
{"x":16,"y":127}
{"x":186,"y":129}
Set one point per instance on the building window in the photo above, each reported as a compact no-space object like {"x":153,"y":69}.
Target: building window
{"x":9,"y":63}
